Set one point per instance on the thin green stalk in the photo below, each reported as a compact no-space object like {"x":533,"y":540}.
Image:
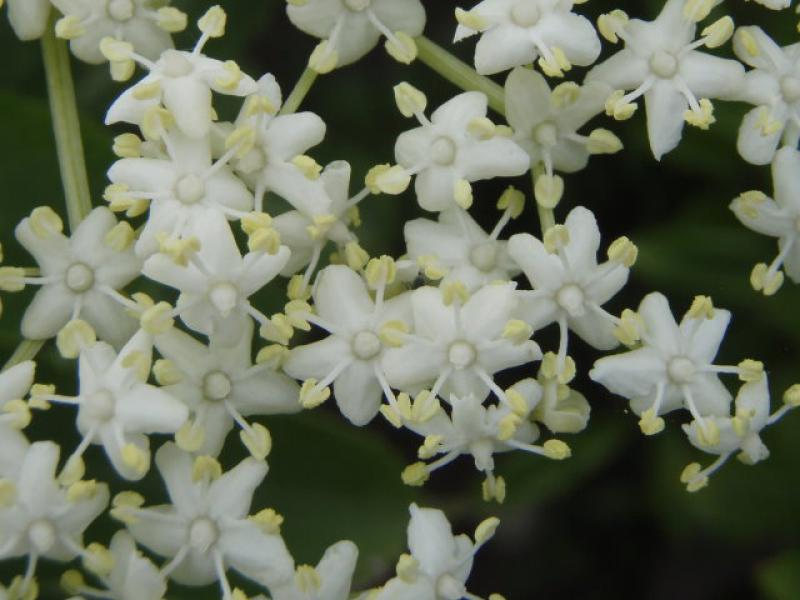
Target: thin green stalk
{"x":66,"y":127}
{"x":300,"y":91}
{"x":459,"y":73}
{"x":27,"y":350}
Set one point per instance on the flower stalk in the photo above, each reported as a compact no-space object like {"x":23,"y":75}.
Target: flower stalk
{"x":300,"y":91}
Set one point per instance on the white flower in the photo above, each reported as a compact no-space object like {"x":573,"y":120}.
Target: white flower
{"x":28,"y":18}
{"x":440,"y":563}
{"x":458,"y":348}
{"x":362,"y":331}
{"x":773,"y":86}
{"x":546,"y":121}
{"x":778,"y":218}
{"x":569,"y":287}
{"x":86,"y":22}
{"x":453,"y":149}
{"x":458,"y":248}
{"x":351,"y":28}
{"x":674,"y":366}
{"x":661,"y":63}
{"x":14,"y":385}
{"x":80,"y":275}
{"x":330,"y":580}
{"x":216,"y":283}
{"x":206,"y":530}
{"x":180,"y":190}
{"x":220,"y":384}
{"x":117,"y":408}
{"x":44,"y":518}
{"x":517,"y":32}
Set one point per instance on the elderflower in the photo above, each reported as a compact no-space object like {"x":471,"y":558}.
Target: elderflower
{"x":518,"y":32}
{"x":660,"y":61}
{"x":331,"y":579}
{"x":14,"y":385}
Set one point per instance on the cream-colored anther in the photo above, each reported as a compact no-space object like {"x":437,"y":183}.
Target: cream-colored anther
{"x":409,"y":100}
{"x":623,"y":251}
{"x":415,"y":475}
{"x":548,"y":190}
{"x":402,"y":47}
{"x":74,"y":337}
{"x":257,"y":440}
{"x":512,"y":200}
{"x":719,"y":32}
{"x":324,"y":58}
{"x":611,"y":24}
{"x":44,"y":222}
{"x":170,"y":19}
{"x":557,"y":450}
{"x":471,"y":20}
{"x":702,"y":308}
{"x":462,"y":193}
{"x":392,"y":180}
{"x":213,"y":22}
{"x":268,"y":520}
{"x":603,"y":141}
{"x":701,"y":117}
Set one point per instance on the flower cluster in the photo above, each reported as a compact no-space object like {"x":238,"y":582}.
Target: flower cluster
{"x":438,"y":341}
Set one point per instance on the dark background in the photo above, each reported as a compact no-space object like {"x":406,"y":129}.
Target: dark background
{"x":611,"y":522}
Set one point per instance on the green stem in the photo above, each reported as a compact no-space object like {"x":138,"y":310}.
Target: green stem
{"x":66,"y":127}
{"x":459,"y":73}
{"x":27,"y":350}
{"x":300,"y":91}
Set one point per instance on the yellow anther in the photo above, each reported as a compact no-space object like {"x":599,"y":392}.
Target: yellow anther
{"x":431,"y":268}
{"x":243,"y":139}
{"x":72,"y":582}
{"x":167,"y":372}
{"x":486,"y":530}
{"x":555,"y":238}
{"x":122,"y":70}
{"x":297,"y":312}
{"x":462,"y":193}
{"x":611,"y":24}
{"x":507,"y":427}
{"x":127,"y":145}
{"x":481,"y":128}
{"x":8,"y":493}
{"x":494,"y":489}
{"x":69,"y":27}
{"x":213,"y":22}
{"x":74,"y":337}
{"x":354,"y":216}
{"x":765,"y":281}
{"x":401,"y":47}
{"x":496,"y":597}
{"x":147,"y":91}
{"x":702,"y":308}
{"x":206,"y":468}
{"x":255,"y":220}
{"x":703,"y":116}
{"x":278,"y":329}
{"x":751,"y":370}
{"x":179,"y":250}
{"x":556,"y":450}
{"x":697,"y":10}
{"x":630,"y":327}
{"x":517,"y":331}
{"x":407,"y":568}
{"x":135,"y":458}
{"x":321,"y":226}
{"x":155,"y":121}
{"x":623,"y":251}
{"x":123,"y":504}
{"x":503,"y":131}
{"x":549,"y":368}
{"x":268,"y":520}
{"x":171,"y":19}
{"x":157,"y":319}
{"x":72,"y":472}
{"x":23,"y":588}
{"x":565,"y":94}
{"x":602,"y":141}
{"x":190,"y":437}
{"x":391,"y":415}
{"x":311,"y":395}
{"x":767,"y":123}
{"x":238,"y":594}
{"x":38,"y":395}
{"x":424,"y":408}
{"x":471,"y":20}
{"x":115,"y":50}
{"x":11,"y":279}
{"x":380,"y":271}
{"x":257,"y":440}
{"x":454,"y":292}
{"x":617,"y":108}
{"x":392,"y":180}
{"x":556,"y":65}
{"x":19,"y":413}
{"x":513,"y":201}
{"x":266,"y":239}
{"x":138,"y":362}
{"x":324,"y":58}
{"x":548,"y":190}
{"x":517,"y":402}
{"x":44,"y":222}
{"x":410,"y":100}
{"x":719,"y":32}
{"x":740,"y":424}
{"x":415,"y":474}
{"x":393,"y":333}
{"x":430,"y":447}
{"x":708,"y":432}
{"x":274,"y":356}
{"x":693,"y":478}
{"x":298,"y":289}
{"x":748,"y":42}
{"x":404,"y":405}
{"x":310,"y":168}
{"x":791,"y":397}
{"x":651,"y":423}
{"x":355,"y":256}
{"x":307,"y":579}
{"x":120,"y":237}
{"x":98,"y":559}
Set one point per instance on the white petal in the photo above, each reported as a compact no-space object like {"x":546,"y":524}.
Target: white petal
{"x":256,"y":554}
{"x":430,"y":539}
{"x":503,"y":47}
{"x":341,"y":298}
{"x":665,"y":109}
{"x":358,"y":393}
{"x":710,"y":76}
{"x":755,"y":147}
{"x":631,"y":374}
{"x":230,"y":496}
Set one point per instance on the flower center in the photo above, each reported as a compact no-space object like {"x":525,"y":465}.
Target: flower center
{"x":224,"y":297}
{"x":663,"y":64}
{"x":570,"y":298}
{"x":202,"y":534}
{"x":366,"y":345}
{"x":176,"y":64}
{"x":357,"y":5}
{"x":217,"y":386}
{"x":790,"y":88}
{"x":681,"y":370}
{"x":461,"y":354}
{"x":120,"y":10}
{"x":525,"y":14}
{"x":443,"y":151}
{"x":545,"y":134}
{"x":450,"y":588}
{"x":484,"y":256}
{"x":190,"y":189}
{"x":253,"y":161}
{"x":80,"y":278}
{"x":100,"y":406}
{"x":42,"y":535}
